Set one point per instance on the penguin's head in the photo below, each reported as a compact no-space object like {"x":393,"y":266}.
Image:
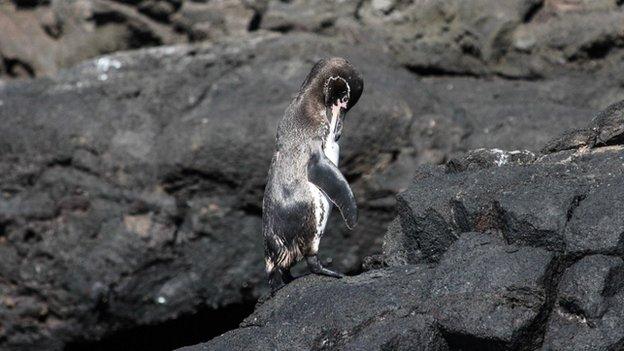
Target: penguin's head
{"x":335,"y":83}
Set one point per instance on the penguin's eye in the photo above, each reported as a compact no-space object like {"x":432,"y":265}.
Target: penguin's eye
{"x":345,"y":99}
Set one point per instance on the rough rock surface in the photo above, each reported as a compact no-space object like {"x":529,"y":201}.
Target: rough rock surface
{"x":132,"y":184}
{"x":126,"y":202}
{"x":511,"y":38}
{"x":550,"y":200}
{"x":494,"y":251}
{"x":123,"y":201}
{"x":61,"y":33}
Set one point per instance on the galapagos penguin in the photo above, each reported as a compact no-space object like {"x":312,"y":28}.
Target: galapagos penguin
{"x":304,"y":180}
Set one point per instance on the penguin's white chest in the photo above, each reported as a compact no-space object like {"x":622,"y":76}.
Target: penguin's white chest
{"x":322,"y":205}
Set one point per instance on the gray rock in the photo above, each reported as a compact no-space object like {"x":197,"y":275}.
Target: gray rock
{"x":124,"y":199}
{"x":137,"y":162}
{"x":484,"y":293}
{"x":510,"y":38}
{"x":588,"y":313}
{"x":376,"y":309}
{"x":479,"y":259}
{"x":306,"y":15}
{"x":63,"y":33}
{"x":606,"y":128}
{"x":214,"y":19}
{"x":131,"y":185}
{"x":490,"y":293}
{"x":595,"y":224}
{"x":551,"y":202}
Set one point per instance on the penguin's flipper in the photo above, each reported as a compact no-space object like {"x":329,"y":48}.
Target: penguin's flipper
{"x":325,"y":175}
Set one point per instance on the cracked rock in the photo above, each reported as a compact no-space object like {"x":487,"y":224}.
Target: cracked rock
{"x":588,"y":313}
{"x":488,"y":293}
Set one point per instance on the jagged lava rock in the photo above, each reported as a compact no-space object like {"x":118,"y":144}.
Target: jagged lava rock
{"x":480,"y":252}
{"x":488,"y":293}
{"x":132,"y":184}
{"x":589,"y":310}
{"x":552,"y":202}
{"x":484,"y":293}
{"x":375,"y":309}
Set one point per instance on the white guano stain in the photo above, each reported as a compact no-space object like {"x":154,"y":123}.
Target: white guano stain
{"x":104,"y":65}
{"x":502,"y":157}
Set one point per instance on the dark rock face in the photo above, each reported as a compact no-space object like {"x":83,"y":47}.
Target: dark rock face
{"x":552,"y":202}
{"x":132,"y":184}
{"x":494,"y":251}
{"x":566,"y":202}
{"x":125,"y":202}
{"x":510,"y":38}
{"x":483,"y":294}
{"x":588,"y":313}
{"x":490,"y":292}
{"x":63,"y":33}
{"x":320,"y":313}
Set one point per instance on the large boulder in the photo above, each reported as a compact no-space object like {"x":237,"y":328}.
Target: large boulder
{"x":589,"y":308}
{"x":132,"y":185}
{"x":487,"y":252}
{"x":552,"y":200}
{"x":371,"y":311}
{"x":484,"y":294}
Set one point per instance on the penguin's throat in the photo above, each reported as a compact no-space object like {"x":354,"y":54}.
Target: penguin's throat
{"x":331,"y":148}
{"x":335,"y":115}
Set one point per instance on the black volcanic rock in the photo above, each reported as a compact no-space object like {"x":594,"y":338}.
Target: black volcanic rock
{"x":526,"y":39}
{"x":483,"y":293}
{"x":510,"y":251}
{"x":551,"y":202}
{"x":373,"y":310}
{"x":588,"y":313}
{"x":132,"y":184}
{"x":490,"y":292}
{"x":606,"y":128}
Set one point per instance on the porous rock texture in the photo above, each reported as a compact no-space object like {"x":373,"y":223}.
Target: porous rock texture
{"x":42,"y":36}
{"x":131,"y":184}
{"x":495,"y":250}
{"x":525,"y":39}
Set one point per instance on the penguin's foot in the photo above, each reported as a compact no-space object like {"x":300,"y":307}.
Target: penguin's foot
{"x":279,"y":278}
{"x":315,"y":267}
{"x":286,"y":276}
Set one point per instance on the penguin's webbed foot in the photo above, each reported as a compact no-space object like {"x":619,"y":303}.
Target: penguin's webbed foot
{"x":317,"y":268}
{"x":278,"y":278}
